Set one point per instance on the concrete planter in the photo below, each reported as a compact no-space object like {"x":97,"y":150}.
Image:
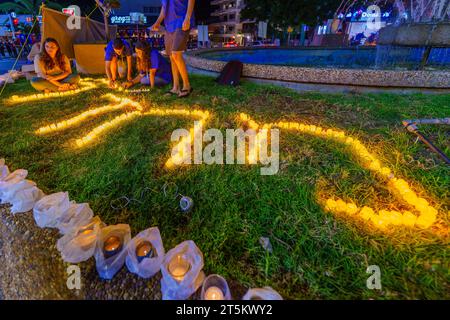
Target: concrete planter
{"x":331,"y":76}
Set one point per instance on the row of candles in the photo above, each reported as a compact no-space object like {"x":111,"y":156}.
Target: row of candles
{"x":93,"y":135}
{"x":62,"y":125}
{"x":85,"y":85}
{"x":214,"y":287}
{"x":121,"y":103}
{"x":399,"y":187}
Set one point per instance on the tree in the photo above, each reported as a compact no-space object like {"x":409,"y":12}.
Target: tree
{"x":28,"y":6}
{"x":106,"y":6}
{"x":284,"y":13}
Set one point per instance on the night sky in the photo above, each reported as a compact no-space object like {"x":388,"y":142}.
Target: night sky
{"x":202,"y":8}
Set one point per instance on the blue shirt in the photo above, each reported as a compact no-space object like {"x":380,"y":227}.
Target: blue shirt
{"x":110,"y":53}
{"x":162,"y":66}
{"x":175,"y":12}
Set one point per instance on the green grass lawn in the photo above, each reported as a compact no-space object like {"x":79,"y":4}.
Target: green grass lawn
{"x":315,"y":254}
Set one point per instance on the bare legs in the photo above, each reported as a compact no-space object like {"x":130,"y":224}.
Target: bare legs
{"x":175,"y":75}
{"x":177,"y":62}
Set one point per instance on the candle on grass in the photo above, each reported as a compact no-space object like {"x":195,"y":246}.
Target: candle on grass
{"x":85,"y":237}
{"x":179,"y":267}
{"x":112,"y":246}
{"x":145,"y":250}
{"x":214,"y":293}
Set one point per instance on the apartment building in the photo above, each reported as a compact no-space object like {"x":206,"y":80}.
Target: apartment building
{"x":228,"y":23}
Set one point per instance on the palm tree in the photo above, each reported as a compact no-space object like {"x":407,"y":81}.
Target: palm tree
{"x":28,"y":6}
{"x":106,"y":6}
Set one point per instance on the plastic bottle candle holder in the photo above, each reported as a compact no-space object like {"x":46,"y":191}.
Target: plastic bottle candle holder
{"x":215,"y":287}
{"x":178,"y":267}
{"x":85,"y":236}
{"x":112,"y":246}
{"x":145,"y":250}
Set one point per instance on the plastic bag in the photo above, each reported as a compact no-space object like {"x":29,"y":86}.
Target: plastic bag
{"x":11,"y":180}
{"x":14,"y":74}
{"x":108,"y":263}
{"x":182,"y":271}
{"x":4,"y":171}
{"x":266,"y":293}
{"x":148,"y":266}
{"x":79,"y":214}
{"x":10,"y":192}
{"x":79,"y":243}
{"x":25,"y":199}
{"x":5,"y":78}
{"x":50,"y":209}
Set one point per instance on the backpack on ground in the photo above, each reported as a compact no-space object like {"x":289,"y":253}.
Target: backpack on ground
{"x":231,"y":74}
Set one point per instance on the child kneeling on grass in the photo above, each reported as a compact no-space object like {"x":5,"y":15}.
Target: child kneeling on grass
{"x":53,"y":69}
{"x":153,"y":69}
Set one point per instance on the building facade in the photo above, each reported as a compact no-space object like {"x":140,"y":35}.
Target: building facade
{"x":149,"y":8}
{"x":228,"y":23}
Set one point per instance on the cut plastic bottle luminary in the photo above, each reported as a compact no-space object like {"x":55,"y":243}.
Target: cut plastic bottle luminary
{"x":181,"y":270}
{"x":215,"y":287}
{"x":112,"y":246}
{"x":266,"y":293}
{"x":145,"y":250}
{"x":178,"y":267}
{"x":86,"y":236}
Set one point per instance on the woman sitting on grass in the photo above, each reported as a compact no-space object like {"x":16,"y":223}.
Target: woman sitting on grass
{"x":53,"y":69}
{"x":153,"y":69}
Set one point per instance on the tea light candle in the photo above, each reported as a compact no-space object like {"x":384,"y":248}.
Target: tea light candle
{"x":85,"y":232}
{"x":112,"y":246}
{"x":178,"y":267}
{"x":214,"y":293}
{"x":85,"y":237}
{"x":145,"y":250}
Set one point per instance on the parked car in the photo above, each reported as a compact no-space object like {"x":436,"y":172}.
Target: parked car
{"x":262,"y":43}
{"x":230,"y":44}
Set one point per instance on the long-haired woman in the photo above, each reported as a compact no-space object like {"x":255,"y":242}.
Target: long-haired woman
{"x":152,"y":68}
{"x":53,"y":69}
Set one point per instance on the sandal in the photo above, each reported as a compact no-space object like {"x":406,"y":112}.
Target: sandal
{"x":171,"y":93}
{"x":187,"y":93}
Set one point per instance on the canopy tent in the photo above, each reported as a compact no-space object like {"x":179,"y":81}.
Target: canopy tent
{"x":89,"y":39}
{"x":90,"y":31}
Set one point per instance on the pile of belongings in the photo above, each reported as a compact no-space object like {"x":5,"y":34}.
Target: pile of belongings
{"x":10,"y":77}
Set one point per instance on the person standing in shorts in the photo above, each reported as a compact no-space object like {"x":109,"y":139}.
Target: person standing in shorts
{"x":178,"y":16}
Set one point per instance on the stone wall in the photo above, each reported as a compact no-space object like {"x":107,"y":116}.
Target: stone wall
{"x":416,"y":35}
{"x":337,"y":76}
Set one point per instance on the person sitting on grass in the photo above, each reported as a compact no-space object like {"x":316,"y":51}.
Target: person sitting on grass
{"x":53,"y":69}
{"x":114,"y":66}
{"x":153,"y":69}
